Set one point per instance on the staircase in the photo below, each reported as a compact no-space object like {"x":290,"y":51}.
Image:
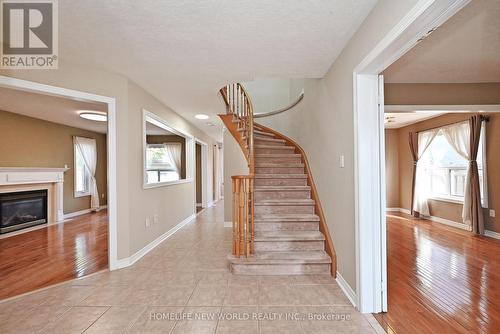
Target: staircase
{"x":289,"y":235}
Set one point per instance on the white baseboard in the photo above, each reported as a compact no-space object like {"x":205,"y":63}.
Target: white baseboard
{"x":228,"y":224}
{"x":346,"y":288}
{"x":122,"y":263}
{"x":434,"y":219}
{"x":451,"y":223}
{"x":492,"y":234}
{"x":81,"y":212}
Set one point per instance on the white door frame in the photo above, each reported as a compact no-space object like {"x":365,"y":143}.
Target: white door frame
{"x":371,"y":267}
{"x":204,"y":173}
{"x":30,"y":86}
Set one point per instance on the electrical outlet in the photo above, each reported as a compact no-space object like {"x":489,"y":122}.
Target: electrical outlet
{"x":492,"y":213}
{"x":155,"y":219}
{"x":102,"y":195}
{"x":342,"y":161}
{"x":148,"y":222}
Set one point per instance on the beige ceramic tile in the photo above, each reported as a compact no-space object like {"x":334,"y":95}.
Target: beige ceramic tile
{"x":76,"y":320}
{"x":156,"y":320}
{"x":117,"y":319}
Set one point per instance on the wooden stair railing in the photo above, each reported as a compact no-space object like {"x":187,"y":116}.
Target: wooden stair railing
{"x":239,"y":121}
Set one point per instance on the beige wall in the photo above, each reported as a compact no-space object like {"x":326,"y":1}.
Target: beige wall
{"x":31,"y":142}
{"x":442,"y":209}
{"x":234,"y":164}
{"x":174,"y":203}
{"x":392,"y":168}
{"x":442,"y":93}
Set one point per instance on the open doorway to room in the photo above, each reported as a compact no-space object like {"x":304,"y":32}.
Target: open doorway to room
{"x":198,"y":176}
{"x":441,"y":131}
{"x":53,"y":189}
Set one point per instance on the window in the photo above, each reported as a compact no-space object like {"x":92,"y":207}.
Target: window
{"x":82,"y":175}
{"x":159,"y":167}
{"x":446,"y":170}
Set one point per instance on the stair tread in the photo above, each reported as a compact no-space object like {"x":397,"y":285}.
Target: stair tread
{"x":294,"y":257}
{"x":280,"y":176}
{"x":277,"y":155}
{"x":279,"y":164}
{"x":268,"y":236}
{"x":280,"y":147}
{"x":262,"y":133}
{"x":287,"y":217}
{"x":277,"y":140}
{"x":282,"y":188}
{"x":281,"y":201}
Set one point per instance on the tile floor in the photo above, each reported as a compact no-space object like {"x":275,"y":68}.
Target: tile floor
{"x":183,"y":286}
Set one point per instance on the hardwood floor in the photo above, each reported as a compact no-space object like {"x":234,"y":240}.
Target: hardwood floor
{"x":440,"y":279}
{"x":53,"y":254}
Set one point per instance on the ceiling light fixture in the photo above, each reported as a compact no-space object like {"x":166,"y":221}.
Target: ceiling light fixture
{"x":201,"y":116}
{"x":94,"y":116}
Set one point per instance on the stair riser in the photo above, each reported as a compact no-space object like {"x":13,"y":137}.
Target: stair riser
{"x":279,"y":170}
{"x":260,"y":141}
{"x":280,"y":209}
{"x":283,"y":246}
{"x":261,"y":136}
{"x":284,"y":159}
{"x":287,"y":226}
{"x":282,"y":194}
{"x":277,"y":150}
{"x":280,"y":182}
{"x":280,"y":269}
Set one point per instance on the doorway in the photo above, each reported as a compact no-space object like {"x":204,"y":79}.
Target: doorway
{"x":202,"y":191}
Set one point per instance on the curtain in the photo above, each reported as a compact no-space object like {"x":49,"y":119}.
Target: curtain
{"x":464,"y":138}
{"x":413,"y":141}
{"x":88,"y":149}
{"x":420,"y":196}
{"x":174,"y":153}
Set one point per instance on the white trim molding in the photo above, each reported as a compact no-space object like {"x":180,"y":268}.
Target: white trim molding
{"x":492,"y":234}
{"x":435,"y":219}
{"x":82,"y":212}
{"x":228,"y":224}
{"x":346,"y":288}
{"x":126,"y":262}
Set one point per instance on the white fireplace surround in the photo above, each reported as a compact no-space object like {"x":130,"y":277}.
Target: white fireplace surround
{"x":14,"y":179}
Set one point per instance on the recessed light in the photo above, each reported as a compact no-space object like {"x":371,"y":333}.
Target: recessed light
{"x":201,"y":116}
{"x":94,"y":116}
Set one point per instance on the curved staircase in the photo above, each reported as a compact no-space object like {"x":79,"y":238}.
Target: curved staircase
{"x":283,"y":225}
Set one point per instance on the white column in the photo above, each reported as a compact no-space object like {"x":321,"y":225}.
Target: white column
{"x":59,"y":197}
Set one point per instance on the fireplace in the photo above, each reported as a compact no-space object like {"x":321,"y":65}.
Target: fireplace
{"x":19,"y":210}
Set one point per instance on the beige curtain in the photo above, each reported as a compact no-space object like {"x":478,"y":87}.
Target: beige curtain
{"x":473,"y":191}
{"x":88,"y":149}
{"x":413,"y":142}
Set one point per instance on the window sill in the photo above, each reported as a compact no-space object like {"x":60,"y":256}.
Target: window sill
{"x":77,"y":195}
{"x":447,"y":199}
{"x":166,"y":184}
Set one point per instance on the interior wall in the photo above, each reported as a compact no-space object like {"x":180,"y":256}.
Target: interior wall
{"x":392,"y":167}
{"x":439,"y":208}
{"x":173,"y":204}
{"x":441,"y":93}
{"x":160,"y":139}
{"x":235,"y":163}
{"x":32,"y":142}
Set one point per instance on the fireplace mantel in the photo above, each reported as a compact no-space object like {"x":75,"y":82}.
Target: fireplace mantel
{"x":28,"y":178}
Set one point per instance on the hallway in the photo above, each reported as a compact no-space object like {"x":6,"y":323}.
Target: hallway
{"x":183,"y":286}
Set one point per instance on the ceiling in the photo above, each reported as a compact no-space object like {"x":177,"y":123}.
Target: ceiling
{"x":51,"y":108}
{"x":465,"y":49}
{"x":395,"y":120}
{"x":182,"y":52}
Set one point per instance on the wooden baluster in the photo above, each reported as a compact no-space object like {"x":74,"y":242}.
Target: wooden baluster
{"x":247,"y":214}
{"x":236,"y":206}
{"x":252,"y":219}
